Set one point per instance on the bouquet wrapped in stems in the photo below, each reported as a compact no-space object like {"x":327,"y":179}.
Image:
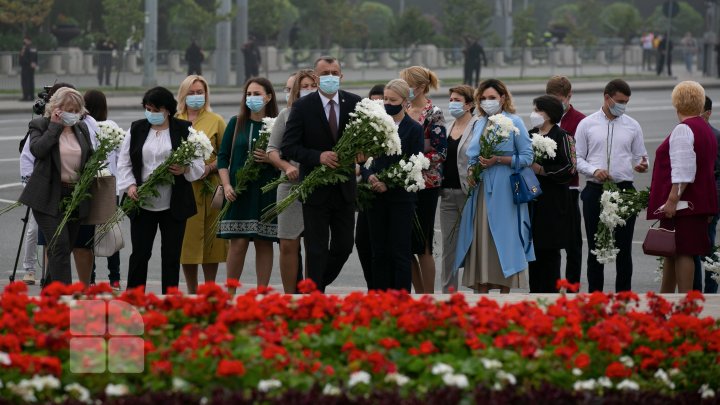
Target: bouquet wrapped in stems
{"x":196,"y":146}
{"x":617,"y":206}
{"x":110,"y":137}
{"x":371,"y":131}
{"x":498,"y":130}
{"x":405,"y":174}
{"x":250,"y":171}
{"x":543,"y":148}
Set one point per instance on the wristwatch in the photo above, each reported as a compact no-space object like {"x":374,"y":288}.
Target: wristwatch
{"x":498,"y":160}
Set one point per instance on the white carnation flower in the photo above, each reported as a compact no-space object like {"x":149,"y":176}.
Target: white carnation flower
{"x":359,"y":377}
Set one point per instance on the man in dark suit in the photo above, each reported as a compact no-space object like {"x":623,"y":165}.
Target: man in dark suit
{"x":315,"y":124}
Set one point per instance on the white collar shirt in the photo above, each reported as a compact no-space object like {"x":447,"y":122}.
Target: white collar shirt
{"x":615,"y":145}
{"x":326,"y":106}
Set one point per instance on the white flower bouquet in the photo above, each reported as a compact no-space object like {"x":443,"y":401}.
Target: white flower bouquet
{"x":371,"y":131}
{"x":405,"y":173}
{"x":498,"y":130}
{"x":543,"y":147}
{"x":250,"y":171}
{"x":616,"y":207}
{"x":109,"y":137}
{"x":197,"y":145}
{"x":711,"y":263}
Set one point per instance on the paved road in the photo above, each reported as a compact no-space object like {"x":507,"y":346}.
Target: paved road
{"x":651,"y":108}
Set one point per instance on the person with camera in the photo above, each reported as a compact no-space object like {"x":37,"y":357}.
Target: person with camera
{"x":61,"y":145}
{"x":82,"y":254}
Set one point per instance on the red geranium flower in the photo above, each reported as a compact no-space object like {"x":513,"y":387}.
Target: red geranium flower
{"x":617,"y":370}
{"x":228,"y":368}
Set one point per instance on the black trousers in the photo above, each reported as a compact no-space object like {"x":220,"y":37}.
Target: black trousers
{"x":545,"y":271}
{"x":27,"y":81}
{"x":390,"y":235}
{"x":362,"y":245}
{"x":623,"y":241}
{"x":573,"y":252}
{"x":329,"y":230}
{"x":58,"y":256}
{"x":143,"y":228}
{"x":104,"y":71}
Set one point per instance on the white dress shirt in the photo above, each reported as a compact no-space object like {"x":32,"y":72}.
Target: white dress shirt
{"x":599,"y":140}
{"x":326,"y":106}
{"x":682,"y":155}
{"x":156,"y":149}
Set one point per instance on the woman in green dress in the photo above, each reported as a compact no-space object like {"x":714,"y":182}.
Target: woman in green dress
{"x":242,"y":222}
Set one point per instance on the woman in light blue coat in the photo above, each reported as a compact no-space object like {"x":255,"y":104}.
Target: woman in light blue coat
{"x":495,"y":238}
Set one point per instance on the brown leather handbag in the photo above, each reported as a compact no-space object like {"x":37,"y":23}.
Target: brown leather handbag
{"x":659,"y":242}
{"x":103,"y":202}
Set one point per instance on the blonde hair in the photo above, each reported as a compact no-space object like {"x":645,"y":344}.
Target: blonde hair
{"x":420,"y":76}
{"x":185,"y":89}
{"x":688,"y":98}
{"x":67,"y":98}
{"x":400,"y":87}
{"x":295,"y":90}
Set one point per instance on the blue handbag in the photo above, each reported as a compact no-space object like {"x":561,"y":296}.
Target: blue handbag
{"x":525,"y":185}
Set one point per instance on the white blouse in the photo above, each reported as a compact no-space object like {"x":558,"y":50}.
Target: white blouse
{"x":682,"y":155}
{"x":156,"y":149}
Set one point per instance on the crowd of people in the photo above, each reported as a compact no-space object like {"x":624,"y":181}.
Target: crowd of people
{"x":496,"y":241}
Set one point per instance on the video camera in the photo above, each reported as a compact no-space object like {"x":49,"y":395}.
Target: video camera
{"x":44,"y":98}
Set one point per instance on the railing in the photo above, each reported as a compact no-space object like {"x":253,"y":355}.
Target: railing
{"x":518,"y":62}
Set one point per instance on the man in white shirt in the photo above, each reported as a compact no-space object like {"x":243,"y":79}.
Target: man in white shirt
{"x":609,"y":147}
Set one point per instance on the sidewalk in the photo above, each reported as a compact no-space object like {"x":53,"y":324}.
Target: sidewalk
{"x":591,"y":79}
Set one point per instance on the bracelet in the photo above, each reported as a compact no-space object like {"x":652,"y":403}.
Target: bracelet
{"x":498,"y":160}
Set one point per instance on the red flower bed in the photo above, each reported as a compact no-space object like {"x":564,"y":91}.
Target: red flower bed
{"x":274,"y":345}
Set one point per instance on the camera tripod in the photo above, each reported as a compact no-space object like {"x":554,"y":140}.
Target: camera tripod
{"x":25,"y":220}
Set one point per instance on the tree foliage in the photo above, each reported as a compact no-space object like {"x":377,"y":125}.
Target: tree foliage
{"x":524,"y":27}
{"x":374,"y":20}
{"x":321,"y":21}
{"x":189,"y":20}
{"x":465,"y":18}
{"x":24,"y":13}
{"x":123,"y":20}
{"x":687,"y":20}
{"x":411,"y":28}
{"x":267,"y":17}
{"x":621,"y":20}
{"x":576,"y":23}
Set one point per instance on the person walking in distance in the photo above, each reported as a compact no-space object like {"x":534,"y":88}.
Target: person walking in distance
{"x":315,"y":125}
{"x":28,"y":64}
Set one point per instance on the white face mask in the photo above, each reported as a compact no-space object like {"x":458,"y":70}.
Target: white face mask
{"x":536,"y":119}
{"x":69,"y":119}
{"x":491,"y":107}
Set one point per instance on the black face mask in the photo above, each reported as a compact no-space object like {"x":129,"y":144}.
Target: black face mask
{"x":393,"y":109}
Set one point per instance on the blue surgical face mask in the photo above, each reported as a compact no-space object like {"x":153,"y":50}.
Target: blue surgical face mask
{"x":491,"y":107}
{"x":617,"y":109}
{"x":195,"y":101}
{"x":411,"y":96}
{"x":456,"y":108}
{"x":305,"y":92}
{"x":329,"y":84}
{"x":255,"y":103}
{"x":155,"y":118}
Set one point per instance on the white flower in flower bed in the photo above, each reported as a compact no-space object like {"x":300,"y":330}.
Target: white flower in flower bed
{"x":663,"y":376}
{"x":503,"y":376}
{"x":78,"y":392}
{"x":397,"y":378}
{"x":5,"y":359}
{"x":456,"y":380}
{"x":628,"y":385}
{"x":359,"y":377}
{"x":330,"y":389}
{"x":442,"y":368}
{"x":586,"y":385}
{"x":179,"y":384}
{"x":706,"y":392}
{"x":627,"y":361}
{"x":116,"y":390}
{"x":491,"y":364}
{"x":267,"y":385}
